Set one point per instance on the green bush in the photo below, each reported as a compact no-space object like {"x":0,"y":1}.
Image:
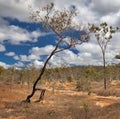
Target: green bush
{"x":69,"y":78}
{"x":84,"y":85}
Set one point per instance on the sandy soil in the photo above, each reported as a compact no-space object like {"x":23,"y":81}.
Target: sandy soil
{"x":65,"y":103}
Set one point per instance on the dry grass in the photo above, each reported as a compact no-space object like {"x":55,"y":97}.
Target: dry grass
{"x":65,"y":103}
{"x":113,"y":89}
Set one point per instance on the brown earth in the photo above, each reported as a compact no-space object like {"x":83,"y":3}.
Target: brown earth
{"x":64,"y":103}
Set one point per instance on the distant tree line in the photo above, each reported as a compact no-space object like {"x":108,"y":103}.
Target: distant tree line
{"x":94,"y":73}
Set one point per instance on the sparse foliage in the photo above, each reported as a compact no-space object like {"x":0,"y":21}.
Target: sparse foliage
{"x":58,"y":22}
{"x":86,"y":109}
{"x":1,"y":70}
{"x":103,"y":33}
{"x":84,"y":85}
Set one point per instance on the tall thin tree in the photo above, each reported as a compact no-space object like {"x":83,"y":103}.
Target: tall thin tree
{"x":103,"y":33}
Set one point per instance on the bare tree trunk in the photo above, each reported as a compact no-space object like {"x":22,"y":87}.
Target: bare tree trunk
{"x":104,"y":70}
{"x":40,"y":76}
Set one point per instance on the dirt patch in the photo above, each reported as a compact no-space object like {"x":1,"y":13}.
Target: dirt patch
{"x":64,"y":103}
{"x":8,"y":94}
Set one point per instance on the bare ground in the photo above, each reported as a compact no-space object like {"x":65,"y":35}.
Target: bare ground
{"x":65,"y":103}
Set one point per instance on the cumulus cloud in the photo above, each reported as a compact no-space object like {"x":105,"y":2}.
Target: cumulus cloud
{"x":28,"y":58}
{"x":34,"y":56}
{"x":15,"y":9}
{"x":41,"y":51}
{"x":39,"y":3}
{"x":16,"y":35}
{"x":4,"y":65}
{"x":2,"y":48}
{"x":104,"y":7}
{"x":89,"y":9}
{"x":10,"y":54}
{"x":87,"y":56}
{"x":20,"y":9}
{"x":112,"y":19}
{"x":90,"y":53}
{"x":38,"y":63}
{"x":24,"y":58}
{"x":19,"y":64}
{"x":114,"y":46}
{"x":35,"y":63}
{"x":66,"y":57}
{"x":16,"y":57}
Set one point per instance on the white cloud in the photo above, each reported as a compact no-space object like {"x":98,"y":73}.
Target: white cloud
{"x":114,"y":47}
{"x":112,"y":19}
{"x":4,"y":65}
{"x":89,"y":53}
{"x":104,"y":7}
{"x":16,"y":35}
{"x":40,"y":3}
{"x":70,"y":58}
{"x":42,"y":51}
{"x":38,"y":64}
{"x":33,"y":57}
{"x":90,"y":10}
{"x":19,"y":8}
{"x":24,"y":58}
{"x":19,"y":64}
{"x":16,"y":57}
{"x":89,"y":48}
{"x":2,"y":48}
{"x":66,"y":57}
{"x":10,"y":54}
{"x":15,"y":9}
{"x":35,"y":54}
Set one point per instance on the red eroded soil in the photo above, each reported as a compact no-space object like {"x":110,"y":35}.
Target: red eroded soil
{"x":65,"y":103}
{"x":11,"y":93}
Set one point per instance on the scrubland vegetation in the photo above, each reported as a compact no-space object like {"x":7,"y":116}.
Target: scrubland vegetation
{"x":71,"y":93}
{"x":79,"y":74}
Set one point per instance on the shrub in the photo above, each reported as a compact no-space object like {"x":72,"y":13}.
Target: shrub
{"x":84,"y":85}
{"x":69,"y":78}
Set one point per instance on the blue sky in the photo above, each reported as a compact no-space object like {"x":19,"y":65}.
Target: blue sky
{"x":25,"y":42}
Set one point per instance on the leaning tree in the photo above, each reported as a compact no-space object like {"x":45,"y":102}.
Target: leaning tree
{"x":60,"y":23}
{"x":103,"y":33}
